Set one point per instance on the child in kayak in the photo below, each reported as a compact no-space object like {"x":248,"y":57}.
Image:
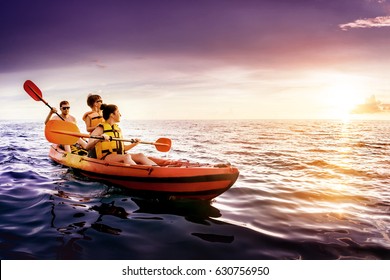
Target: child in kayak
{"x":113,"y":150}
{"x":93,"y":117}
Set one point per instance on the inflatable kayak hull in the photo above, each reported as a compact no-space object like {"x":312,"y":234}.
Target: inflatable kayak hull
{"x":172,"y":179}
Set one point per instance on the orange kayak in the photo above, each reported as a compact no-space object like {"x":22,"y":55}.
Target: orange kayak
{"x":171,"y":178}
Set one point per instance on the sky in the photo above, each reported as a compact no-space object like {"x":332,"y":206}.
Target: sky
{"x":196,"y":59}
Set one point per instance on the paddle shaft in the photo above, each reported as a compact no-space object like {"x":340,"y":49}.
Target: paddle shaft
{"x":67,"y":133}
{"x":51,"y":108}
{"x":125,"y":140}
{"x":99,"y":137}
{"x":30,"y":90}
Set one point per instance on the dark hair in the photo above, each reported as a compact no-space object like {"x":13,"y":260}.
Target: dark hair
{"x":108,"y":110}
{"x":92,"y":98}
{"x":63,"y":102}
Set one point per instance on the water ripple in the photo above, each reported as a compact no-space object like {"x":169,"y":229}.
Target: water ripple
{"x":306,"y":190}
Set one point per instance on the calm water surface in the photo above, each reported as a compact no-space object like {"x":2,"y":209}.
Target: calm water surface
{"x":307,"y":190}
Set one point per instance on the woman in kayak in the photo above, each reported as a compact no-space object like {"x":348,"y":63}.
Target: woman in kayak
{"x":94,"y":117}
{"x":113,"y":150}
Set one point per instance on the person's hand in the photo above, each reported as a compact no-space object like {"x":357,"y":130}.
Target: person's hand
{"x":106,"y":137}
{"x":53,"y":110}
{"x":137,"y":141}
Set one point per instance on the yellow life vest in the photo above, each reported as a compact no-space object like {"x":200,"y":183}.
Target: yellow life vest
{"x":95,"y":119}
{"x":104,"y":148}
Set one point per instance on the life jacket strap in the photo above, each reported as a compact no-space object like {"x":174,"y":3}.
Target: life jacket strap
{"x":109,"y":151}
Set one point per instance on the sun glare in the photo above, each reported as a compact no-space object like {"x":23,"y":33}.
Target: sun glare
{"x":341,"y":97}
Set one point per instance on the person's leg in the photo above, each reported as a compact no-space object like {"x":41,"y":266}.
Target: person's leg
{"x":120,"y":158}
{"x":142,"y":159}
{"x":82,"y":143}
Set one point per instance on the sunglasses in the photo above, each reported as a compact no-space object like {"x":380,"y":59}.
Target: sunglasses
{"x":100,"y":101}
{"x":65,"y":108}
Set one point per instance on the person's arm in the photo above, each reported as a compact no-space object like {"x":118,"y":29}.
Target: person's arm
{"x":130,"y":146}
{"x":88,"y":121}
{"x":73,"y":119}
{"x":97,"y":132}
{"x":52,"y":111}
{"x":86,"y":115}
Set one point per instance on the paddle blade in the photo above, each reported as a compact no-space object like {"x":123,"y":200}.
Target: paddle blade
{"x":163,"y":144}
{"x":60,"y":132}
{"x":32,"y":90}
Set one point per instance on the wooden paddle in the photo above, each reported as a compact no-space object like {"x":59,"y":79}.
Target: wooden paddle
{"x":67,"y":133}
{"x":36,"y":94}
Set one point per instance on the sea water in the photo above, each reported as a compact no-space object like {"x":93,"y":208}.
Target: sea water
{"x":307,"y":190}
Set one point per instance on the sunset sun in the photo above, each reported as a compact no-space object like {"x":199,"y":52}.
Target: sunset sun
{"x":343,"y":99}
{"x":342,"y":95}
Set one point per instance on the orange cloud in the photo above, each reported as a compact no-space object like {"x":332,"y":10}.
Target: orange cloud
{"x":371,"y":106}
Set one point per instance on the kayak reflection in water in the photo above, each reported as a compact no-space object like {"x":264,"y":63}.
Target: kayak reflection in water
{"x":113,"y":150}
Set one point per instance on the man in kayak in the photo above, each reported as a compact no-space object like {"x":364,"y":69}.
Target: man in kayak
{"x":113,"y":150}
{"x":94,"y":117}
{"x":65,"y":108}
